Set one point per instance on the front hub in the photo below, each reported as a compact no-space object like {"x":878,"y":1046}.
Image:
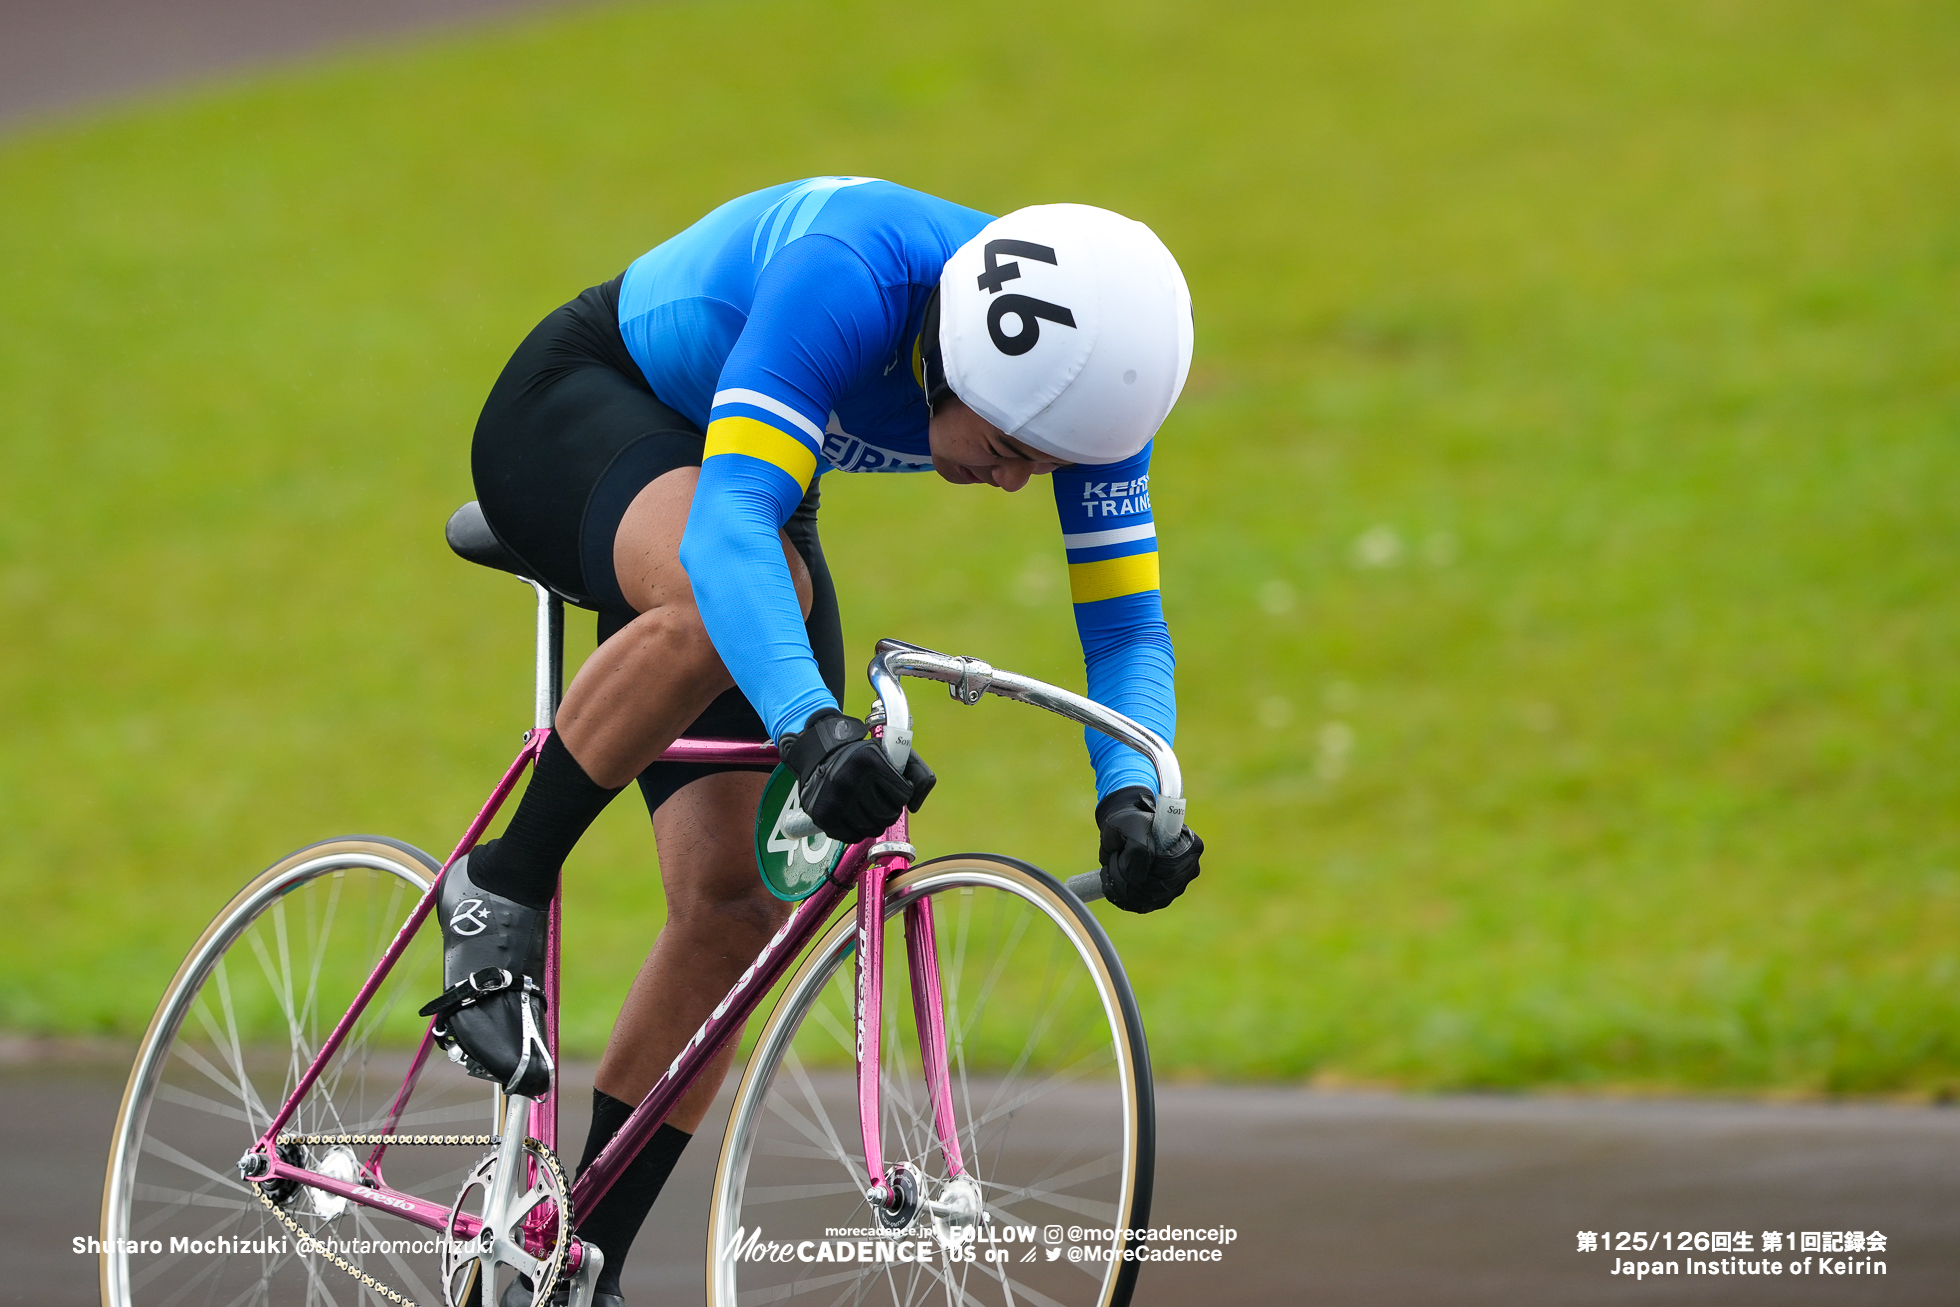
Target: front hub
{"x":903,"y":1193}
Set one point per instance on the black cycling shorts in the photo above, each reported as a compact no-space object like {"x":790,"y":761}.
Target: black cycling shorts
{"x":570,"y":435}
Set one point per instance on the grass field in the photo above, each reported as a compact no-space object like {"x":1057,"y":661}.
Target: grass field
{"x":1559,"y":527}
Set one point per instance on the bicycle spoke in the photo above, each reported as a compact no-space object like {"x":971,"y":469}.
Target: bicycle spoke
{"x":417,"y":1121}
{"x":316,"y":1283}
{"x":1100,"y":1212}
{"x":764,"y":1195}
{"x":993,"y":979}
{"x":897,"y":1093}
{"x":151,"y":1272}
{"x":1040,"y":1098}
{"x":1065,"y":1172}
{"x":157,"y":1148}
{"x":839,"y":1031}
{"x":785,"y":1292}
{"x":355,"y":1051}
{"x":177,"y":1202}
{"x":1040,"y":1088}
{"x":833,"y":1145}
{"x":279,"y":977}
{"x":231,"y":1044}
{"x":951,"y":1288}
{"x":323,"y":935}
{"x":211,"y":1231}
{"x":370,"y":1230}
{"x":955,"y":1027}
{"x":241,"y":1089}
{"x":289,"y":958}
{"x":1037,"y":1029}
{"x":1024,"y":1292}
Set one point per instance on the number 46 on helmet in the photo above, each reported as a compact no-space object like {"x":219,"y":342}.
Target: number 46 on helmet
{"x":1066,"y":326}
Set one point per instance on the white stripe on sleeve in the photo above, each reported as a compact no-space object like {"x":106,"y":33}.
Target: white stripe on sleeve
{"x":1121,"y":535}
{"x":756,"y":399}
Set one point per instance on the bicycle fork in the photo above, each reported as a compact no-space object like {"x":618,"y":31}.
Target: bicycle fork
{"x":895,"y":1192}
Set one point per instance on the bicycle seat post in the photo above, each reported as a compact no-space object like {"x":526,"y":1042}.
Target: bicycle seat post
{"x":547,"y":688}
{"x":550,"y":681}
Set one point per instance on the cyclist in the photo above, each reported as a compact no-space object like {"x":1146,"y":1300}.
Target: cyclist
{"x":653,"y":450}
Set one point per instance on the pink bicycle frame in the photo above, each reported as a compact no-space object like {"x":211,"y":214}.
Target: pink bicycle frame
{"x":867,"y":865}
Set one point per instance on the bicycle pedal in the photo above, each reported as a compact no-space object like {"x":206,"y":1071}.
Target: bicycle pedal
{"x":518,"y":1294}
{"x":519,"y":1291}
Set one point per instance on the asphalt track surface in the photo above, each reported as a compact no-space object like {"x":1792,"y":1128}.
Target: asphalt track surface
{"x":58,"y":55}
{"x":1337,"y":1198}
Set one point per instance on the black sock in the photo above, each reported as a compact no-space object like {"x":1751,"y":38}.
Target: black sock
{"x":618,"y":1217}
{"x":560,"y":802}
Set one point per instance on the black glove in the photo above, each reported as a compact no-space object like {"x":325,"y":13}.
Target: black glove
{"x":848,"y":785}
{"x":1135,"y":877}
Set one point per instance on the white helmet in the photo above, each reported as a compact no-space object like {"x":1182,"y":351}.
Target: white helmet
{"x":1066,"y":326}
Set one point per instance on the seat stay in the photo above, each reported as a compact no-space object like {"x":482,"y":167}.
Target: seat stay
{"x":533,"y":743}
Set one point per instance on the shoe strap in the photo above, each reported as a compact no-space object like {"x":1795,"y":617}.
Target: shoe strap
{"x":478,"y":984}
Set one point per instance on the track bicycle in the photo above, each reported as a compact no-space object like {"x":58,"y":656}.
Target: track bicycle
{"x":286,"y":1136}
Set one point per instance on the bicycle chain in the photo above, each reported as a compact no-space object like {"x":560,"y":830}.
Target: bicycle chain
{"x":488,"y":1140}
{"x":531,"y":1146}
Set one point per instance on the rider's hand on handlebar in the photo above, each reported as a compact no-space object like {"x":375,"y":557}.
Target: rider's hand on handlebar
{"x":1135,"y":877}
{"x":849,"y":788}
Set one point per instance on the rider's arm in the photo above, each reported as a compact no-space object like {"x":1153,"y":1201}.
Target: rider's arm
{"x":818,"y":316}
{"x":1111,"y":539}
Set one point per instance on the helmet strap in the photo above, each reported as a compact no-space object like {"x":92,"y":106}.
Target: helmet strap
{"x":934,"y":364}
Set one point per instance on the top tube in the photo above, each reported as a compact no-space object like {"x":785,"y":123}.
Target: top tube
{"x":755,"y":752}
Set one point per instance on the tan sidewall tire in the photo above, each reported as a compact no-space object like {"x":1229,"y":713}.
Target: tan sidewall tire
{"x":1133,"y":1050}
{"x":379,"y":852}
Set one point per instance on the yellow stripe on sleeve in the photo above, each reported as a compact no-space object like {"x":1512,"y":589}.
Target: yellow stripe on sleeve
{"x":739,"y":435}
{"x":1112,"y":577}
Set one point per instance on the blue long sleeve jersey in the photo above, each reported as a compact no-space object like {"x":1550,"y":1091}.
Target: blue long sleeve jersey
{"x":786,"y":325}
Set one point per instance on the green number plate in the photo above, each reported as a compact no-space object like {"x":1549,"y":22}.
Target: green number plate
{"x":791,"y":868}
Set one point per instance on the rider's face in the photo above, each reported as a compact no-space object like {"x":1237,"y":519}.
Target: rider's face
{"x":968,"y":450}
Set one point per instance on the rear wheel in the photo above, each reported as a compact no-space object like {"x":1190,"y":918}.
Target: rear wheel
{"x":1051,"y":1095}
{"x":239,"y":1024}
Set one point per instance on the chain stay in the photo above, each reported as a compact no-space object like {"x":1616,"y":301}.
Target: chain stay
{"x":368,"y":1282}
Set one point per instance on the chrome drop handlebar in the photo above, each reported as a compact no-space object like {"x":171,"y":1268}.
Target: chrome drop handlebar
{"x":968,"y":679}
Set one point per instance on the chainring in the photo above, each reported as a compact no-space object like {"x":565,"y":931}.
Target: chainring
{"x":547,"y":1202}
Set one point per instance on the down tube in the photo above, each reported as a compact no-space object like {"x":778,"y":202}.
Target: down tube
{"x":722,"y":1025}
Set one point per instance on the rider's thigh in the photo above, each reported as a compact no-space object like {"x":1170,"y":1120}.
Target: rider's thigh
{"x":646,"y":549}
{"x":707,"y":854}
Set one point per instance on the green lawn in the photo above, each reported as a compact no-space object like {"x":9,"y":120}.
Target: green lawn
{"x":1560,"y":526}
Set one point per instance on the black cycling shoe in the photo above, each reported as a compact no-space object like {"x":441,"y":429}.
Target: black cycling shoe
{"x":491,"y":1016}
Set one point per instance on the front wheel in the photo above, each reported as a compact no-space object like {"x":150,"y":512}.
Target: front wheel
{"x":1050,"y":1080}
{"x":239,"y":1024}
